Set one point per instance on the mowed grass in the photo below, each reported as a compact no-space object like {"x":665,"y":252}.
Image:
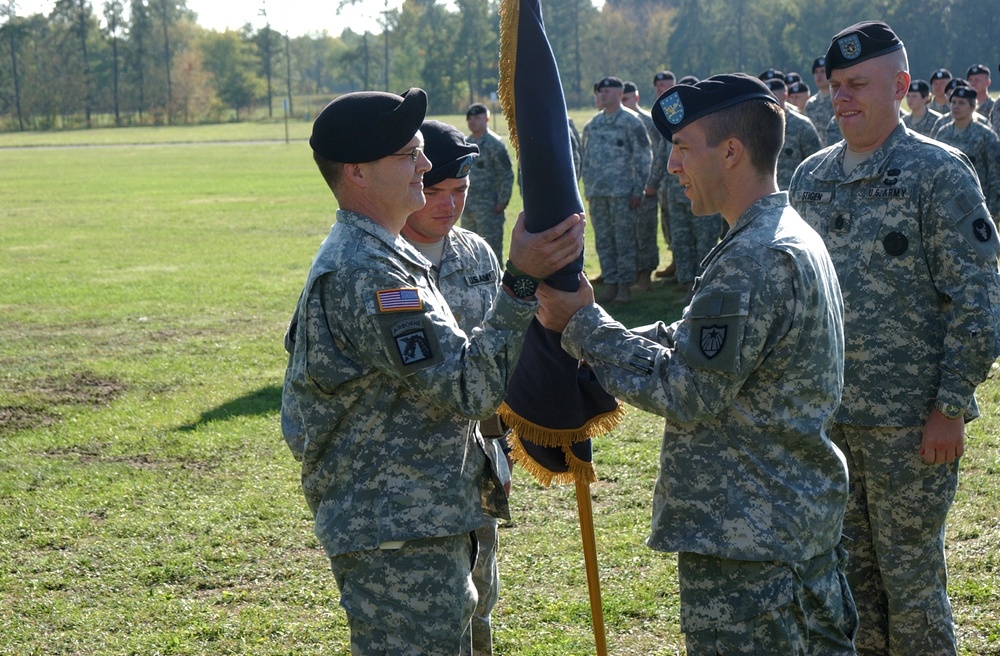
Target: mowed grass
{"x":148,"y":504}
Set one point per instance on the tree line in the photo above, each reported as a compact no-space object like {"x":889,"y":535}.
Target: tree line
{"x":148,"y":62}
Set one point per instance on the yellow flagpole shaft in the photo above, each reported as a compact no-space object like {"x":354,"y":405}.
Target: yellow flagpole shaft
{"x":590,"y":562}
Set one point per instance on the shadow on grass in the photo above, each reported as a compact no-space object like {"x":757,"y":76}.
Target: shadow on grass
{"x":259,"y":402}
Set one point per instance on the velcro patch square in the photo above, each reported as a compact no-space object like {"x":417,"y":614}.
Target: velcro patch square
{"x":403,"y":299}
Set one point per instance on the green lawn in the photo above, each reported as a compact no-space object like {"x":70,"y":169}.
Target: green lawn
{"x":148,"y":504}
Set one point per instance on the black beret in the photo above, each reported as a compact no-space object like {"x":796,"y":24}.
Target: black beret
{"x":861,"y":42}
{"x":921,"y":87}
{"x":771,"y":74}
{"x":629,"y":87}
{"x":367,"y":125}
{"x":776,"y":83}
{"x":609,"y":82}
{"x":819,"y":62}
{"x":684,"y":104}
{"x":792,"y":78}
{"x":450,"y":154}
{"x":941,"y":74}
{"x":688,"y":79}
{"x":963,"y":92}
{"x":977,"y":69}
{"x":955,"y":82}
{"x":596,"y":88}
{"x":476,"y":109}
{"x":663,"y":75}
{"x":799,"y":87}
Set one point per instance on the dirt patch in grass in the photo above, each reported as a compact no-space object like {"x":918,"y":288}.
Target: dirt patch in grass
{"x":47,"y":394}
{"x":15,"y":418}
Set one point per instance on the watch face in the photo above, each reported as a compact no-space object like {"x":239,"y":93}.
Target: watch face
{"x":952,"y":411}
{"x":524,"y":287}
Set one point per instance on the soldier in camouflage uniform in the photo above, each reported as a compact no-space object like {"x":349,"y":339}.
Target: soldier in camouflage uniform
{"x":663,"y":81}
{"x":801,"y":139}
{"x":468,"y":274}
{"x":819,"y":109}
{"x":916,"y":254}
{"x":979,"y":143}
{"x":920,"y":119}
{"x":751,"y":490}
{"x":939,"y":97}
{"x":616,"y":158}
{"x":383,"y":387}
{"x":978,"y":77}
{"x":492,"y":180}
{"x":647,"y":254}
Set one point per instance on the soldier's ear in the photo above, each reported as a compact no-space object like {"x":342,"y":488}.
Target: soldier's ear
{"x":733,"y":152}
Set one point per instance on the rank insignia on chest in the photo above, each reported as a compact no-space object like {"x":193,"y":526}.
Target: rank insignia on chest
{"x":712,"y":339}
{"x":403,"y":299}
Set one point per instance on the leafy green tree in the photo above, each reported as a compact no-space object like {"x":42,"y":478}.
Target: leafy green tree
{"x":233,"y":63}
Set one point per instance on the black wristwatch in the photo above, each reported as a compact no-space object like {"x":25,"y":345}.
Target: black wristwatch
{"x":520,"y":283}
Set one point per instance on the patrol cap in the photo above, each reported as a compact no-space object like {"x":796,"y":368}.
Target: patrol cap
{"x":921,"y":87}
{"x":771,"y":74}
{"x":688,"y":79}
{"x":963,"y":92}
{"x":663,"y":75}
{"x":475,"y":109}
{"x":629,"y":87}
{"x":367,"y":125}
{"x":861,"y":42}
{"x":977,"y":69}
{"x":799,"y":87}
{"x":450,"y":154}
{"x":610,"y":82}
{"x":684,"y":104}
{"x":941,"y":74}
{"x":792,"y":78}
{"x":819,"y":62}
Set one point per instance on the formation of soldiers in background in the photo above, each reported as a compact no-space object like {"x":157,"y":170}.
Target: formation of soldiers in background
{"x":622,"y":160}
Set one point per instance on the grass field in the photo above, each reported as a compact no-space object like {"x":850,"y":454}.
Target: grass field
{"x":148,"y":504}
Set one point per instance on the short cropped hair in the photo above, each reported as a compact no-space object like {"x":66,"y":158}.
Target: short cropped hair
{"x":331,"y":171}
{"x":758,"y":124}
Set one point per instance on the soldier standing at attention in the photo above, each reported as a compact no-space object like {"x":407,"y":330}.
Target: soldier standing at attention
{"x":647,"y":255}
{"x":978,"y":77}
{"x":916,"y":254}
{"x":616,"y":157}
{"x":751,"y":491}
{"x":939,"y":97}
{"x":977,"y":140}
{"x":663,"y":81}
{"x":920,"y":119}
{"x":491,"y":181}
{"x":383,"y":386}
{"x":819,"y":109}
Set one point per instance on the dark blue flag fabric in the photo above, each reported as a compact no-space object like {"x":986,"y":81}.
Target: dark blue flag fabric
{"x":554,"y":404}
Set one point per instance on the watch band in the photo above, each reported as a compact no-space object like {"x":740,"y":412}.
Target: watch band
{"x":518,"y":273}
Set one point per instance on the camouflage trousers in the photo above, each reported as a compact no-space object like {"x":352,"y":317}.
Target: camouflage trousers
{"x":664,"y":201}
{"x":691,"y":238}
{"x":486,"y":578}
{"x":417,"y":600}
{"x":647,"y":250}
{"x":614,"y":238}
{"x":744,"y":608}
{"x":894,"y":531}
{"x":480,"y":218}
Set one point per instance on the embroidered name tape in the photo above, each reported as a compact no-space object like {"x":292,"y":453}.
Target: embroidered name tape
{"x":404,"y":299}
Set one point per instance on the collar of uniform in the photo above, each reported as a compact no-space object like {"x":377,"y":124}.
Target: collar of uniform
{"x":831,"y":167}
{"x":397,"y":244}
{"x":777,"y":199}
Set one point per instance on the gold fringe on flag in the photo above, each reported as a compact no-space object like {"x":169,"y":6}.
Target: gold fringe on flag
{"x":551,"y":437}
{"x":509,"y":15}
{"x":578,"y":469}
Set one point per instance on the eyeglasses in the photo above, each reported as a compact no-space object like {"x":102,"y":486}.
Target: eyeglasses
{"x":414,"y":154}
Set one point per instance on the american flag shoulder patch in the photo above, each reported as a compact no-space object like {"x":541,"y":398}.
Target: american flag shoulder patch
{"x":403,"y":299}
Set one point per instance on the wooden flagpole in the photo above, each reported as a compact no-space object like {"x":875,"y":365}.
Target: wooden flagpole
{"x":590,"y":562}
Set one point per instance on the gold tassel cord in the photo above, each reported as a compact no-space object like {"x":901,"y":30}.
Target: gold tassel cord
{"x":509,"y":16}
{"x":551,"y":437}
